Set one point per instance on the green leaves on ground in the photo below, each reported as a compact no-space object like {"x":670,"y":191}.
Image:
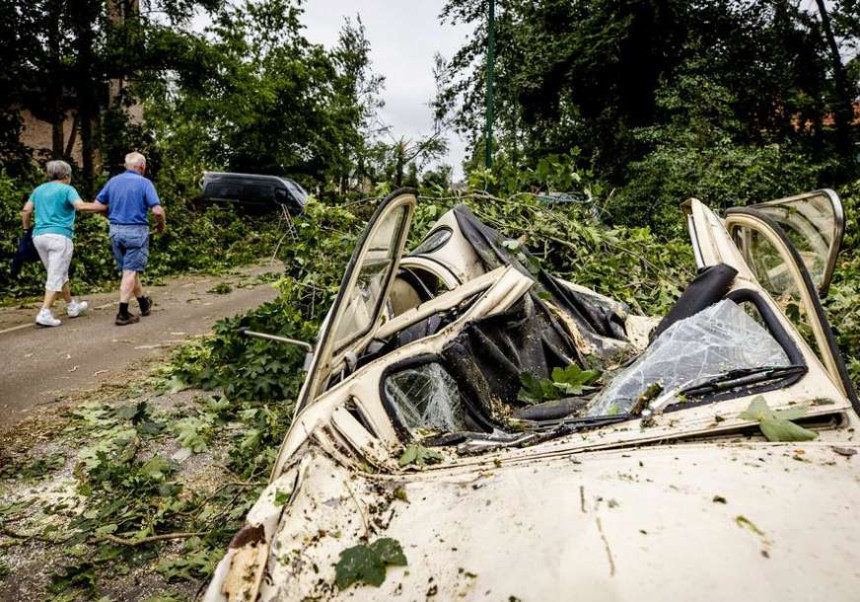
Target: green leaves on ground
{"x":131,"y":490}
{"x":193,"y":432}
{"x":419,"y":456}
{"x":81,"y":577}
{"x":565,"y":382}
{"x":367,"y":564}
{"x":158,"y":468}
{"x":37,"y":469}
{"x":197,"y":561}
{"x":776,"y":425}
{"x":222,"y":288}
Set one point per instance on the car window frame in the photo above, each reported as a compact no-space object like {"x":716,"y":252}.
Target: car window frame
{"x":831,"y":357}
{"x":838,"y":230}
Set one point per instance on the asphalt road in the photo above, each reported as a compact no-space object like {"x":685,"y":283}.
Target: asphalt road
{"x":41,"y":366}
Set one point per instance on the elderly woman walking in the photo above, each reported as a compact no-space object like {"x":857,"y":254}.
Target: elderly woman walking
{"x":54,"y":204}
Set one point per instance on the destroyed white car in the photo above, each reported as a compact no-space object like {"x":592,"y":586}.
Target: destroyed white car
{"x":557,"y":447}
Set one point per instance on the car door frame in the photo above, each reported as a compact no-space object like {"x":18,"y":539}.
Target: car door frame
{"x":749,"y":217}
{"x":325,"y":357}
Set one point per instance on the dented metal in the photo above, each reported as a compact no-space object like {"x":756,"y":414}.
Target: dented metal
{"x":680,"y":501}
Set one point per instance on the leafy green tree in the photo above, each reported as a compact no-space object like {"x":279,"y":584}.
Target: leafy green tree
{"x":263,"y":99}
{"x":621,"y":80}
{"x":358,"y":89}
{"x":62,"y":55}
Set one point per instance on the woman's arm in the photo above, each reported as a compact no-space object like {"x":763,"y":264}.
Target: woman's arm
{"x":90,"y":207}
{"x":26,"y":213}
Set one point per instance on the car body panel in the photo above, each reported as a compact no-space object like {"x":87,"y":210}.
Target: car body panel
{"x":610,"y":526}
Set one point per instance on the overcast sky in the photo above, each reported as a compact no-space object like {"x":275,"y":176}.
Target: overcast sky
{"x":404,"y":36}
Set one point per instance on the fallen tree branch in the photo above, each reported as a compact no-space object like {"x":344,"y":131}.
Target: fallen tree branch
{"x":24,"y":538}
{"x":143,"y":540}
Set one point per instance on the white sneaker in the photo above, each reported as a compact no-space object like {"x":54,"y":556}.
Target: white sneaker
{"x":46,"y":318}
{"x":74,"y":309}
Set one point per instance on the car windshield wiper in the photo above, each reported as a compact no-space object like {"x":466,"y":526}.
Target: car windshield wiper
{"x":741,"y":378}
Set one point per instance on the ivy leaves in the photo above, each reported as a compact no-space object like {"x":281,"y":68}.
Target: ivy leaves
{"x":419,"y":456}
{"x":565,"y":382}
{"x":777,"y":425}
{"x":368,"y":563}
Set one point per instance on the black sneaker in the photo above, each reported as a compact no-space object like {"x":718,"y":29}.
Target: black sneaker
{"x":122,"y":320}
{"x":145,"y":306}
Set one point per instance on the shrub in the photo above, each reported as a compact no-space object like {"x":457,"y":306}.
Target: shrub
{"x":722,"y":174}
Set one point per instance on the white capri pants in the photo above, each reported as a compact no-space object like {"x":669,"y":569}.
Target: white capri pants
{"x":55,"y":251}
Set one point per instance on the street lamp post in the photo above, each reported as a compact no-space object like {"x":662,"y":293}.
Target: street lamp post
{"x":491,"y":57}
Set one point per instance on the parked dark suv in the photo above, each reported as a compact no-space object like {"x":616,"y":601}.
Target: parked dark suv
{"x":254,"y":191}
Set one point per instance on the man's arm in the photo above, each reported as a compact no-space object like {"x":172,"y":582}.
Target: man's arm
{"x":160,"y":218}
{"x":26,"y":212}
{"x":154,"y":203}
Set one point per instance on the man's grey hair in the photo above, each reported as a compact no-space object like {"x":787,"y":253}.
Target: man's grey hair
{"x":135,"y":160}
{"x":58,"y":170}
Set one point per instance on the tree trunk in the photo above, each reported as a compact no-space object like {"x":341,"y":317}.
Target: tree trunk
{"x":399,"y":162}
{"x":85,"y":15}
{"x":58,"y":113}
{"x":70,"y":146}
{"x":844,"y":112}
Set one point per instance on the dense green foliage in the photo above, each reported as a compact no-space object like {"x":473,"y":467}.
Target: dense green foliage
{"x":60,"y":55}
{"x":841,"y":304}
{"x":733,"y":100}
{"x":263,"y":99}
{"x":221,"y":85}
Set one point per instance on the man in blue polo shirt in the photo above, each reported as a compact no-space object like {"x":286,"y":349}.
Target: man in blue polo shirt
{"x":128,"y":197}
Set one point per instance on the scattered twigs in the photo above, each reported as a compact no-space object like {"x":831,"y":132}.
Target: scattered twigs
{"x":360,"y":510}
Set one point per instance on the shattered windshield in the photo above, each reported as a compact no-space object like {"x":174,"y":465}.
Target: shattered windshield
{"x":717,"y":340}
{"x":476,"y":387}
{"x":426,"y":397}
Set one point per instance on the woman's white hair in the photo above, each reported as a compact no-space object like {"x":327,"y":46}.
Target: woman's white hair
{"x":135,"y":160}
{"x":58,"y":170}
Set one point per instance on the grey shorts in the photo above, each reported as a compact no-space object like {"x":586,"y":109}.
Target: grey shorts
{"x":130,"y":246}
{"x":55,"y":251}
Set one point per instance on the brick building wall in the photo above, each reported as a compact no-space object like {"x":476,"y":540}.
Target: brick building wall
{"x":37,"y":135}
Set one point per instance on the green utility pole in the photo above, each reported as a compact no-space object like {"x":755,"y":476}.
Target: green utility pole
{"x":491,"y":58}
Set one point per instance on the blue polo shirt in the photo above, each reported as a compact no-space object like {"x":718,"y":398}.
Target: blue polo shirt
{"x":128,"y":197}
